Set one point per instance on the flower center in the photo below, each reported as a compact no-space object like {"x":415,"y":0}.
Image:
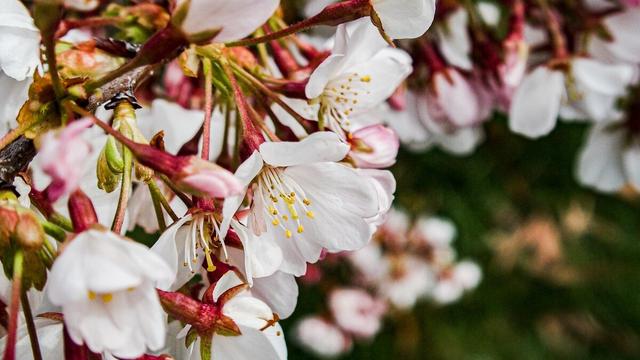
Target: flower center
{"x":203,"y":236}
{"x":340,"y":98}
{"x":283,"y":199}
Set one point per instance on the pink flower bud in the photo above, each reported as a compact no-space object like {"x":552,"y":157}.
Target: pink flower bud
{"x":204,"y":178}
{"x":374,"y":147}
{"x":62,"y":155}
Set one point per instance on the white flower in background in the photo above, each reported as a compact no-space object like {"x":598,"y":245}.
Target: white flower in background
{"x":624,"y":45}
{"x":235,"y":19}
{"x":404,"y":19}
{"x":367,"y":261}
{"x":452,"y":100}
{"x":105,"y":285}
{"x":360,"y":74}
{"x":453,"y":282}
{"x":141,"y":212}
{"x":322,"y":337}
{"x":303,"y":201}
{"x":589,"y":90}
{"x":357,"y":312}
{"x":593,"y":88}
{"x":408,"y":279}
{"x":50,"y":339}
{"x":489,"y":12}
{"x":610,"y":159}
{"x":261,"y":335}
{"x":433,"y":231}
{"x":454,"y":40}
{"x":19,"y":40}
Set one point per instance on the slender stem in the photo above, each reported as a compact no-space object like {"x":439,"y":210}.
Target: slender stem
{"x":123,"y":200}
{"x":31,"y":327}
{"x":124,"y":114}
{"x":270,"y":94}
{"x":157,"y":207}
{"x":162,"y":200}
{"x":54,"y":230}
{"x":208,"y":107}
{"x":14,"y":306}
{"x":50,"y":53}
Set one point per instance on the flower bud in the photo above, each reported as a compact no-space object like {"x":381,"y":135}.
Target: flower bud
{"x":374,"y":147}
{"x":86,"y":61}
{"x":81,"y":211}
{"x":203,"y":178}
{"x":29,"y":233}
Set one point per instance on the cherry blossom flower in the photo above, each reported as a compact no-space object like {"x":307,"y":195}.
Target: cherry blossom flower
{"x":623,"y":44}
{"x":356,"y":312}
{"x":322,"y":337}
{"x":300,"y":195}
{"x":590,"y":88}
{"x":105,"y":285}
{"x":260,"y":335}
{"x":610,"y":158}
{"x":50,"y":340}
{"x":62,"y":156}
{"x":453,"y":282}
{"x":360,"y":74}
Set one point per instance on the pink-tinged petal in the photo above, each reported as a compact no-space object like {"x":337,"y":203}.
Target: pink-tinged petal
{"x":536,"y":104}
{"x":405,"y":19}
{"x":357,"y":312}
{"x":375,"y":147}
{"x":318,"y":147}
{"x":236,"y":19}
{"x":321,"y":337}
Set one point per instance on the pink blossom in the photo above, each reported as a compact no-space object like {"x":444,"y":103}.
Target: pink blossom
{"x":62,"y":155}
{"x":322,"y":337}
{"x":374,"y":147}
{"x":357,"y":312}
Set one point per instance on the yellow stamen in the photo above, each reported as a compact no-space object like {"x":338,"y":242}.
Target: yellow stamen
{"x":106,"y":298}
{"x":275,"y":222}
{"x":366,"y":78}
{"x":210,"y":266}
{"x":300,"y":229}
{"x":91,"y":295}
{"x":310,"y":214}
{"x":288,"y":234}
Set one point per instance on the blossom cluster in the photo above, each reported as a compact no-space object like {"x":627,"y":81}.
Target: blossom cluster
{"x":235,"y":142}
{"x":247,"y":150}
{"x":406,"y":262}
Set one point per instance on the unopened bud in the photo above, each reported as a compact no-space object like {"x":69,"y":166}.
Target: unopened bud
{"x":29,"y":233}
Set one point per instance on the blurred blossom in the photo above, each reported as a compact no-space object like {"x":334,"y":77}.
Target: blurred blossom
{"x":322,"y":337}
{"x":356,"y":312}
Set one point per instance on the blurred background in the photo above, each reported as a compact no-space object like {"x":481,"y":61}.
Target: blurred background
{"x":560,"y":262}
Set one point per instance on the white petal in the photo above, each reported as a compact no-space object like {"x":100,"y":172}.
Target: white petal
{"x":252,"y":344}
{"x":536,"y":103}
{"x":279,"y":291}
{"x":179,"y":124}
{"x":631,"y":160}
{"x":600,"y":163}
{"x":405,"y":19}
{"x":455,"y":42}
{"x":237,"y":18}
{"x":318,"y":147}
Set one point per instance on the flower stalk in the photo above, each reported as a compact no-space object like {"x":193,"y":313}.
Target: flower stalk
{"x":14,"y":306}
